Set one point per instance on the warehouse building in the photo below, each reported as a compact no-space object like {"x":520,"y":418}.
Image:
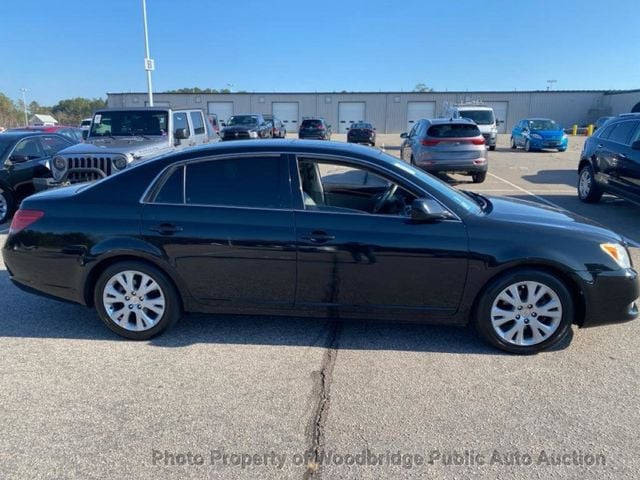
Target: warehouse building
{"x":396,"y":112}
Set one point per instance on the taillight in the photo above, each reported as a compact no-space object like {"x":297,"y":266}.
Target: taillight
{"x":23,"y":218}
{"x":320,"y":127}
{"x":478,"y":141}
{"x":430,"y":143}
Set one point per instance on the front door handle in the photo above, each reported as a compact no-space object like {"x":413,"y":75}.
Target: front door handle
{"x":166,"y":229}
{"x":318,"y":237}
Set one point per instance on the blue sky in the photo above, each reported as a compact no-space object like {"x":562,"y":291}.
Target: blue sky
{"x":86,"y":48}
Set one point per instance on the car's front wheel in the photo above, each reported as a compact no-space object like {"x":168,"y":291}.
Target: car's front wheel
{"x":588,"y":190}
{"x":136,"y":300}
{"x":527,"y":146}
{"x":6,"y":204}
{"x":525,"y":312}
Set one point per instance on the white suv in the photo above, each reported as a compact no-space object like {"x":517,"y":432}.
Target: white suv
{"x":482,"y":115}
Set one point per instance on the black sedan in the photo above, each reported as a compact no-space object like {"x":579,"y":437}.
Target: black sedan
{"x":362,"y":132}
{"x":24,"y":155}
{"x":317,"y":229}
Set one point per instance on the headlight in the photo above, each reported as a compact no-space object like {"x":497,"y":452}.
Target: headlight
{"x":59,"y":163}
{"x":253,"y":134}
{"x":536,"y":136}
{"x":618,"y":253}
{"x":120,"y":163}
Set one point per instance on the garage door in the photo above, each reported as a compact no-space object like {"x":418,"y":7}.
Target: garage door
{"x":222,"y":109}
{"x":500,"y":109}
{"x":349,"y":112}
{"x":419,"y":110}
{"x":287,"y":112}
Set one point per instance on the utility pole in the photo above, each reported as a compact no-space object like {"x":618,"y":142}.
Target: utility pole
{"x":550,"y":84}
{"x":24,"y":105}
{"x":148,"y":62}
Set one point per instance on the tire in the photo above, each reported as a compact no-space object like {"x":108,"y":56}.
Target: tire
{"x":492,"y":147}
{"x":527,"y":146}
{"x":513,"y":143}
{"x":562,"y":149}
{"x":148,"y":322}
{"x":551,"y":315}
{"x":412,"y":161}
{"x":479,"y":177}
{"x":7,"y":204}
{"x":588,"y":189}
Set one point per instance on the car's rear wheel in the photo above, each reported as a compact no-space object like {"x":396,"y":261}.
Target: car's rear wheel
{"x":513,"y":143}
{"x":7,"y":204}
{"x":525,"y":312}
{"x":479,"y":177}
{"x":492,"y":147}
{"x":588,"y":190}
{"x":136,"y":300}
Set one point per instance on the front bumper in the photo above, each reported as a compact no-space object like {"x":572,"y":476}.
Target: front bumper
{"x":477,"y":165}
{"x":546,"y":143}
{"x":609,"y":297}
{"x":490,"y":139}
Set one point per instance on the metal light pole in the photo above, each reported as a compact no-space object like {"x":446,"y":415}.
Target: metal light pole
{"x":550,"y":84}
{"x":24,"y":105}
{"x":148,"y":62}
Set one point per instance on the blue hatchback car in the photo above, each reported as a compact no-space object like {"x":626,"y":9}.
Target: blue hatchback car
{"x":538,"y":133}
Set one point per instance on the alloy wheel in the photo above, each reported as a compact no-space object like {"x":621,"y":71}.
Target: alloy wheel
{"x":585,"y":183}
{"x":526,"y":313}
{"x":4,"y":206}
{"x":133,"y":300}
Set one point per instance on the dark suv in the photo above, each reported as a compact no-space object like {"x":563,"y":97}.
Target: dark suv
{"x":316,"y":128}
{"x":610,"y":161}
{"x":25,"y":155}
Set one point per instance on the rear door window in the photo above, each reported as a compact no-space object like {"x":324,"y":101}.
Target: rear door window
{"x":198,"y":124}
{"x":257,"y":182}
{"x":453,"y":130}
{"x":622,"y":132}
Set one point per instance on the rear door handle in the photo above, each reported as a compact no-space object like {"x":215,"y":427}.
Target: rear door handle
{"x":166,"y":229}
{"x":318,"y":237}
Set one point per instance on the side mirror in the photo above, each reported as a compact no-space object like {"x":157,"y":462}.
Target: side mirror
{"x":181,"y":134}
{"x":85,"y":134}
{"x":636,"y":145}
{"x":223,"y":124}
{"x":18,"y":158}
{"x":425,"y":210}
{"x":403,"y":135}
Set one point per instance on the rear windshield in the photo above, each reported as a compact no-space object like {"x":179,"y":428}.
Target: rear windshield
{"x":453,"y":130}
{"x":481,"y":117}
{"x":312,"y":123}
{"x":362,"y":125}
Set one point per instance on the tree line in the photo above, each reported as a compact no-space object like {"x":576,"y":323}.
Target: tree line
{"x":67,"y":112}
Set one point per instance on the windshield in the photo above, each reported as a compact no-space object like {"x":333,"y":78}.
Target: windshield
{"x":85,"y":123}
{"x":311,"y":123}
{"x":129,"y":123}
{"x":433,"y":183}
{"x":243,"y":120}
{"x":543,"y":125}
{"x":481,"y":117}
{"x":362,"y":125}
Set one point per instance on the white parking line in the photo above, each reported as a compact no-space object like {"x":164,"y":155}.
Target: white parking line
{"x":6,"y":230}
{"x":523,"y":190}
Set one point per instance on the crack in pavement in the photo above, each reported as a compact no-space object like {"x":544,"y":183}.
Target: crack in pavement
{"x":321,"y":390}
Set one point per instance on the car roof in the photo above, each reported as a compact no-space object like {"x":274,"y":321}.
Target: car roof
{"x":27,"y":133}
{"x":315,"y":147}
{"x":538,"y":119}
{"x":440,"y":121}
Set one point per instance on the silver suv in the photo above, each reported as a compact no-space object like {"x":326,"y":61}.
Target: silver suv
{"x":446,"y":146}
{"x":119,"y":137}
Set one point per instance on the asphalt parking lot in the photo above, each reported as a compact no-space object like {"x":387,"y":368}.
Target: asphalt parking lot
{"x":248,"y":397}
